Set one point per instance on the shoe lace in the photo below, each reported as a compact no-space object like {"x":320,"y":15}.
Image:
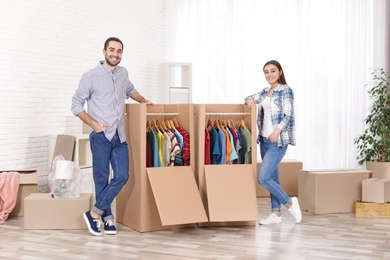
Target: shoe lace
{"x":271,"y":216}
{"x":109,"y":223}
{"x":97,"y":223}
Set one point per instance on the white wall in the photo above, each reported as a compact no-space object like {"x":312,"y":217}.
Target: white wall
{"x":45,"y":47}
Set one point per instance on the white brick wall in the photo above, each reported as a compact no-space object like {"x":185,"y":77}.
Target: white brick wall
{"x":45,"y":47}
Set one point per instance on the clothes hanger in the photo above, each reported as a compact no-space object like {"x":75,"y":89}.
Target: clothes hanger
{"x":159,"y":126}
{"x":223,"y":123}
{"x":216,"y":123}
{"x":242,"y":124}
{"x":148,"y":126}
{"x":220,"y":123}
{"x":163,"y":125}
{"x":233,"y":126}
{"x":209,"y":125}
{"x":154,"y":126}
{"x":168,"y":124}
{"x":172,"y":124}
{"x":176,"y":123}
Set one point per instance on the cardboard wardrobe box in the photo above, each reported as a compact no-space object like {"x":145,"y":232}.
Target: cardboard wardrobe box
{"x":330,"y":191}
{"x":288,"y":177}
{"x":228,"y":191}
{"x":41,"y":211}
{"x":376,"y":190}
{"x":158,"y":198}
{"x":28,"y":183}
{"x":371,"y":209}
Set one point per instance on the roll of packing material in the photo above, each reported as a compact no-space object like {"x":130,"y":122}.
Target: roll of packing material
{"x":64,"y":170}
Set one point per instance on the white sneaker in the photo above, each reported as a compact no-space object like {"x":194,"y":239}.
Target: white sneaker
{"x":271,"y":219}
{"x":295,"y":210}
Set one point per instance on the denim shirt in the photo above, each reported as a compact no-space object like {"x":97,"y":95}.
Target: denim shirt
{"x":282,"y":112}
{"x":105,"y":92}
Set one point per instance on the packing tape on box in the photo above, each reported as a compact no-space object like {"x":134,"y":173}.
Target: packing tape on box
{"x":64,"y":170}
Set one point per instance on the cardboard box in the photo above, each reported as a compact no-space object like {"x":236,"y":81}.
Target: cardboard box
{"x":288,"y":176}
{"x":161,"y":197}
{"x":43,"y":212}
{"x":28,"y":183}
{"x":228,"y":191}
{"x":376,"y":190}
{"x":330,"y":191}
{"x":370,"y":209}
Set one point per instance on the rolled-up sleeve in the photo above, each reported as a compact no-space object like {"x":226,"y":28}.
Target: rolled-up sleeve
{"x":81,"y":95}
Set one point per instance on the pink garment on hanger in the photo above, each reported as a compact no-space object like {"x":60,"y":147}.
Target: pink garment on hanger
{"x":9,"y":186}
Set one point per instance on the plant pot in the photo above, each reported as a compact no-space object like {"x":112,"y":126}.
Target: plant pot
{"x":379,"y":170}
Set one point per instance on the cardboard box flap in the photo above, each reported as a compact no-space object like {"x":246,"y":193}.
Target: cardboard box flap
{"x":231,"y":192}
{"x":376,"y":180}
{"x":21,"y":171}
{"x":176,"y":195}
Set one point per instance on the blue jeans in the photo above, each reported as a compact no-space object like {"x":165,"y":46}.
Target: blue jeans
{"x":105,"y":152}
{"x":268,"y":176}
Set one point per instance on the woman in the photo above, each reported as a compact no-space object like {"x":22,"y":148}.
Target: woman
{"x":276,"y":131}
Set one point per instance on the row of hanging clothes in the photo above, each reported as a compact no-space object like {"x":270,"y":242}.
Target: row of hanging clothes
{"x":225,"y":144}
{"x":167,"y":144}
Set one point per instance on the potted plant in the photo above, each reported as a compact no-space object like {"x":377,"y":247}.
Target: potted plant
{"x":374,"y":144}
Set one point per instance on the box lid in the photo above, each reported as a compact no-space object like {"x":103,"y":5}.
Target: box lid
{"x":176,"y":195}
{"x":231,"y":192}
{"x":336,"y":171}
{"x":376,"y":180}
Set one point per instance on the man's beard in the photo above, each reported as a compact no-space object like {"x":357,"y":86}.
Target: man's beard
{"x":110,"y":63}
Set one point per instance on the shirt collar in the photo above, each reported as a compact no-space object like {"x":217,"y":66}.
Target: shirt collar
{"x":279,"y":87}
{"x":107,"y":69}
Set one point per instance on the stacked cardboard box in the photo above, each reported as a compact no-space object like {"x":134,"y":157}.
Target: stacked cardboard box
{"x":330,"y":191}
{"x":375,"y":198}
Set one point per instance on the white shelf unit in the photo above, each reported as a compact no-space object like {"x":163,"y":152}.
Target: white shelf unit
{"x":82,"y":155}
{"x":82,"y":151}
{"x":176,"y":82}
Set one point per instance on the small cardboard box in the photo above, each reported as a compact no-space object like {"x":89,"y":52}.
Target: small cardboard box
{"x":330,"y":191}
{"x":288,"y":176}
{"x":28,"y":183}
{"x":370,"y":209}
{"x":376,"y":190}
{"x":41,"y":211}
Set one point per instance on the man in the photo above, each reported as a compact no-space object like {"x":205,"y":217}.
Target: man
{"x":105,"y":89}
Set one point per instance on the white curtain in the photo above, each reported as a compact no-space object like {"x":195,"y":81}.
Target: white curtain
{"x":324,"y":46}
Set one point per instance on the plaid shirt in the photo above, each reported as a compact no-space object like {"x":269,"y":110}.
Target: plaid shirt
{"x":282,"y":112}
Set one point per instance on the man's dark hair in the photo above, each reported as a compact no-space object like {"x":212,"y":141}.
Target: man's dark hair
{"x":115,"y":39}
